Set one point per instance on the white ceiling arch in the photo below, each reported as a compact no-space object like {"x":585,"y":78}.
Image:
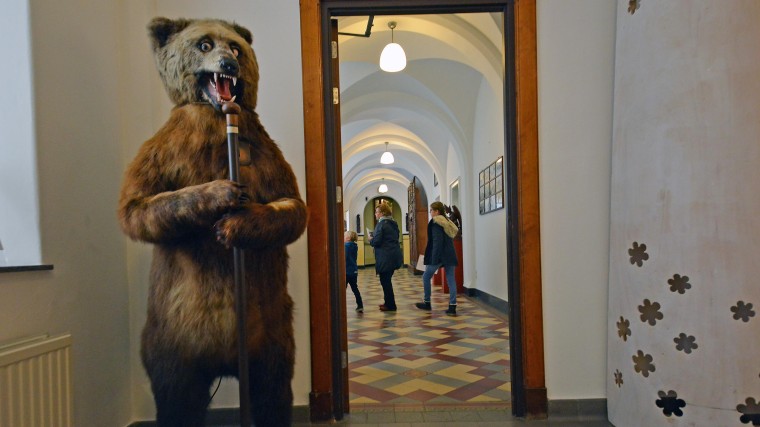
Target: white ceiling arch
{"x":441,"y":111}
{"x":449,"y":100}
{"x":372,"y":143}
{"x":472,"y":39}
{"x":419,"y":130}
{"x":405,"y":146}
{"x":428,"y":111}
{"x":373,"y":178}
{"x":408,"y":165}
{"x":402,"y":172}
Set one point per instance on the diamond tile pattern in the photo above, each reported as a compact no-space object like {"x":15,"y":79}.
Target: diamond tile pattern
{"x":415,"y":358}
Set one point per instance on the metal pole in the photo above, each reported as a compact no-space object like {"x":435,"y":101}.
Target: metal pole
{"x":231,"y":110}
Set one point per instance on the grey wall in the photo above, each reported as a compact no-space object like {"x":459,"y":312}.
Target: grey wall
{"x":75,"y":75}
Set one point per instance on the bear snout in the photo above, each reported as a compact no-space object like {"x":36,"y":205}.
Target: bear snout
{"x":229,"y":66}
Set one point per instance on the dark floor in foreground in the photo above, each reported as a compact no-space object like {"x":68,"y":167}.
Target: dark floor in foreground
{"x":466,"y":418}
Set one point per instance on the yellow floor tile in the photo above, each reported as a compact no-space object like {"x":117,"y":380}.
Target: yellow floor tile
{"x":460,"y":372}
{"x":454,"y":350}
{"x":493,"y":357}
{"x":412,"y":364}
{"x":419,"y":384}
{"x":370,"y":375}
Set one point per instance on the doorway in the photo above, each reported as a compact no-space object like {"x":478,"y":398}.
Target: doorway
{"x":328,"y":397}
{"x":436,"y":119}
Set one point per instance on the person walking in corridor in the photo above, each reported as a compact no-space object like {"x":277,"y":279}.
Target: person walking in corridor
{"x":352,"y":270}
{"x":440,"y":252}
{"x":388,"y":255}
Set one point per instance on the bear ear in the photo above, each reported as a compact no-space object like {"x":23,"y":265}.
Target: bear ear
{"x":244,"y":33}
{"x":160,"y":29}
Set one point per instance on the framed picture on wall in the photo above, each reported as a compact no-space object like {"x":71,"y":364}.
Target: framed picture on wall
{"x":491,"y":187}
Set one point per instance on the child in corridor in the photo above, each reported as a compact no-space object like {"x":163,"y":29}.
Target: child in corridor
{"x":352,"y":270}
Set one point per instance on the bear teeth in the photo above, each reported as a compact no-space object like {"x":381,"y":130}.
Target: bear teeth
{"x":224,"y":76}
{"x":215,"y":83}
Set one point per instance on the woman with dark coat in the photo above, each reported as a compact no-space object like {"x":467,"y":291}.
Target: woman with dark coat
{"x":388,"y":255}
{"x":440,"y":252}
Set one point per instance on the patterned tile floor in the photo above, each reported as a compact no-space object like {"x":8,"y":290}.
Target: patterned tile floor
{"x":414,"y":368}
{"x":414,"y":359}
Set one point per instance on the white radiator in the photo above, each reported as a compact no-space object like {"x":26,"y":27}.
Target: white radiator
{"x":35,"y":382}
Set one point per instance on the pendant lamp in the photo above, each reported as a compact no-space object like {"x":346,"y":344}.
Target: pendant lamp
{"x":393,"y":58}
{"x":382,"y":188}
{"x":387,"y":157}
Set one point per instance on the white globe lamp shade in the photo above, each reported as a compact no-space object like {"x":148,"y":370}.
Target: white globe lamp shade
{"x":393,"y":58}
{"x":387,"y":158}
{"x":382,"y":188}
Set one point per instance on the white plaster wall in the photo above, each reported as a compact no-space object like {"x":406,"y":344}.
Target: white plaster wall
{"x":453,"y":171}
{"x":454,"y":165}
{"x":74,"y":74}
{"x":684,"y":179}
{"x":575,"y":80}
{"x":486,"y":252}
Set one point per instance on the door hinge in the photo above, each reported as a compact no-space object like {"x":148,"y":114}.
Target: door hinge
{"x":338,"y":194}
{"x":336,"y":96}
{"x":334,"y":50}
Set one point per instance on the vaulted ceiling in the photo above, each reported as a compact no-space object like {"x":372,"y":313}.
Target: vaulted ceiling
{"x":425,"y":111}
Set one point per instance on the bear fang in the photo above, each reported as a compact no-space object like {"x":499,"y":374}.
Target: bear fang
{"x":221,"y":87}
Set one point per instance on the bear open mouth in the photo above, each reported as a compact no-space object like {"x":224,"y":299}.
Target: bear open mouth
{"x":219,"y":88}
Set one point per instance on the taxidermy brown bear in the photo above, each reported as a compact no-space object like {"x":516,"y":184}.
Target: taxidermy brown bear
{"x":176,"y":196}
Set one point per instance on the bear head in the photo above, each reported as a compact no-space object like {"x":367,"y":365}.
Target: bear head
{"x":205,"y":61}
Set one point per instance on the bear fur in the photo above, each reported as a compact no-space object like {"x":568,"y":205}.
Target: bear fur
{"x":176,"y":195}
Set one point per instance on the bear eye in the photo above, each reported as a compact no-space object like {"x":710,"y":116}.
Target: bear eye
{"x":235,"y":51}
{"x":205,"y":46}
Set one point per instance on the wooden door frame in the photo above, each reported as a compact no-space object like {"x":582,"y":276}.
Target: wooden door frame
{"x":529,"y":397}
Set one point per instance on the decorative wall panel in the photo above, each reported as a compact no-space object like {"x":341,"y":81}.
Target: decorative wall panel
{"x":684,"y":333}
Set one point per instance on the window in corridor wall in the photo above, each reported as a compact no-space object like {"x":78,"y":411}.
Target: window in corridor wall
{"x":19,"y":206}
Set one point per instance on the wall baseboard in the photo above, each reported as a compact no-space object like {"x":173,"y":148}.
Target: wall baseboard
{"x":496,"y":303}
{"x":230,"y":416}
{"x":559,"y":409}
{"x":578,"y":409}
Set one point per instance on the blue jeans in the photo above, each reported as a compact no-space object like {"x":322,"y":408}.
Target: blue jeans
{"x":450,"y":281}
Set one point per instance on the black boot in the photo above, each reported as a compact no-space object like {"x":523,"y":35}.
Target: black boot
{"x":423,"y":305}
{"x":452,"y":311}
